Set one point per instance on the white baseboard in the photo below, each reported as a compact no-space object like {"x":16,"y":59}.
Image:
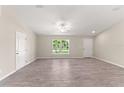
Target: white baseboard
{"x":7,"y":75}
{"x":29,"y":62}
{"x":16,"y":70}
{"x":107,"y":61}
{"x":59,"y":57}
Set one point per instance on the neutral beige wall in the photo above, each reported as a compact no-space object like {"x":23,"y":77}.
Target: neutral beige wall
{"x":8,"y":28}
{"x":109,"y":45}
{"x":44,"y":47}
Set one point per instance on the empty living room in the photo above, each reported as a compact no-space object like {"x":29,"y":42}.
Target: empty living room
{"x":62,"y":46}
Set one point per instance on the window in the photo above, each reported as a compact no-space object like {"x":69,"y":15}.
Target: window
{"x":60,"y":46}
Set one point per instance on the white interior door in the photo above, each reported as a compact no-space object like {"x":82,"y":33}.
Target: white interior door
{"x":20,"y":50}
{"x":88,"y":47}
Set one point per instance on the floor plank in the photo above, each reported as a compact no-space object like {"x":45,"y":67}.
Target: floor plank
{"x":87,"y":72}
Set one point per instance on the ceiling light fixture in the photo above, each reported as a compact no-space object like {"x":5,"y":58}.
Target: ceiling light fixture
{"x":63,"y":26}
{"x":93,"y":32}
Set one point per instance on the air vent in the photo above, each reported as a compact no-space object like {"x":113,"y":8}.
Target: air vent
{"x":116,"y":8}
{"x":39,"y":6}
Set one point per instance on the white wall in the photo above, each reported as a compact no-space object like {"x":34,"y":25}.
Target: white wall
{"x":0,"y":10}
{"x":44,"y":47}
{"x":8,"y":28}
{"x":109,"y":45}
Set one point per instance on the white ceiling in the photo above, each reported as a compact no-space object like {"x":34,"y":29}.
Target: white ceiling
{"x":84,"y":18}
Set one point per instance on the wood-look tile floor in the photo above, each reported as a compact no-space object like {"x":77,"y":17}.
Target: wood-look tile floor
{"x":87,"y":72}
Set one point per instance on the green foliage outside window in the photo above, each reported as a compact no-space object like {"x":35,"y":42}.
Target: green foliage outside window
{"x":60,"y":46}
